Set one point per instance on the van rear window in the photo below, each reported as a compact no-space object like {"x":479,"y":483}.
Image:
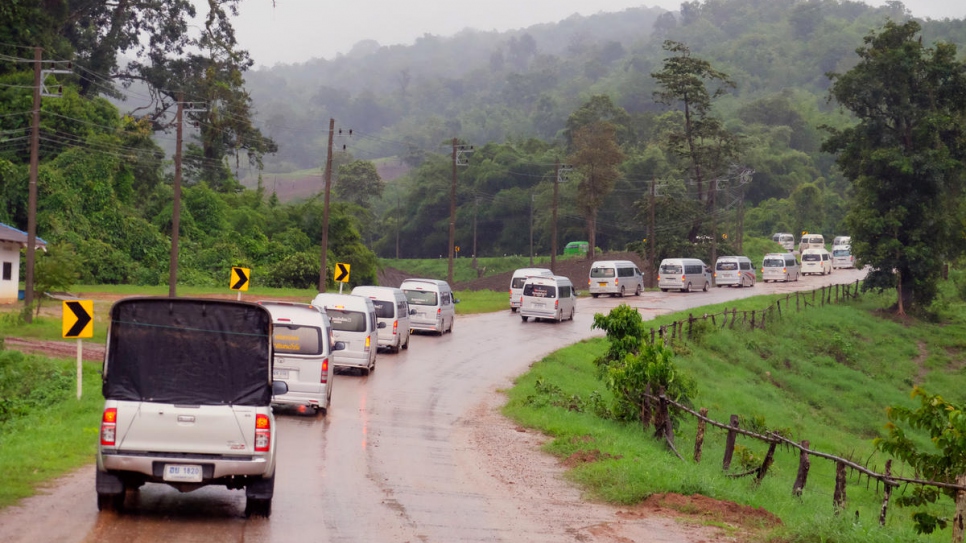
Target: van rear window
{"x":671,"y":269}
{"x":774,"y":263}
{"x":540,"y":291}
{"x":294,"y":339}
{"x":841,"y":252}
{"x":384,"y":309}
{"x":599,"y":273}
{"x":347,"y":321}
{"x":726,"y":266}
{"x":517,"y":282}
{"x":811,"y":257}
{"x":421,"y":297}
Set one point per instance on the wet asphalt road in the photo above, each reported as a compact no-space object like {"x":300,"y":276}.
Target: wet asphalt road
{"x":387,"y":463}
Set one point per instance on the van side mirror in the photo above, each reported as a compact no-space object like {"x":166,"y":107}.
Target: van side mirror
{"x":412,"y":311}
{"x":338,"y":346}
{"x":381,"y":325}
{"x":279,"y":388}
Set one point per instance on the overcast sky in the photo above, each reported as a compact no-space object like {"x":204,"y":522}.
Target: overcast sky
{"x":297,"y":30}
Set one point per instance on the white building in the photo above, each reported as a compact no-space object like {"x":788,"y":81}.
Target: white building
{"x":12,"y":241}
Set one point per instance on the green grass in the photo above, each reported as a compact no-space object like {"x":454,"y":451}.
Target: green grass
{"x":481,"y":301}
{"x":825,"y":375}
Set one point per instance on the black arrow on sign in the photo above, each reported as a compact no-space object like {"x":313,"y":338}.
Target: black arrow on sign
{"x":242,"y":278}
{"x":82,"y":319}
{"x":341,"y":272}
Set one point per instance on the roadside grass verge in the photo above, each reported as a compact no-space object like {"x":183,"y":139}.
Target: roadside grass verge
{"x":825,"y":375}
{"x":481,"y":301}
{"x":45,"y":431}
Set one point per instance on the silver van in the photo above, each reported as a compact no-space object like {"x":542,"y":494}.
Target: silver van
{"x":187,"y":387}
{"x":433,"y":304}
{"x":548,"y":297}
{"x":354,"y":323}
{"x":615,"y":277}
{"x":811,"y":241}
{"x":303,"y":340}
{"x":516,"y":284}
{"x":780,"y":267}
{"x":734,"y":270}
{"x":842,"y":257}
{"x":683,"y":274}
{"x":392,"y":309}
{"x":786,"y":240}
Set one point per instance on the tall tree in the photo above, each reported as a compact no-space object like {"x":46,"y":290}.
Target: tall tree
{"x":905,"y":158}
{"x":597,"y":156}
{"x":702,"y":141}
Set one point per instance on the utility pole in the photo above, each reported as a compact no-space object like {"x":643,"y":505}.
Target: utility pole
{"x":652,"y":232}
{"x":32,"y":190}
{"x":531,"y":229}
{"x":713,"y":188}
{"x":476,"y":211}
{"x":557,"y":171}
{"x":323,"y":274}
{"x":176,"y":206}
{"x":397,"y":226}
{"x":458,"y":151}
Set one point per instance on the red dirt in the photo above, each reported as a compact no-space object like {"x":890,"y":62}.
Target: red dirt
{"x":705,"y":508}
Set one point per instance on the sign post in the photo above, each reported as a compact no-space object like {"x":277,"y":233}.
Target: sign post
{"x":341,"y":274}
{"x":78,"y":322}
{"x":240,"y":277}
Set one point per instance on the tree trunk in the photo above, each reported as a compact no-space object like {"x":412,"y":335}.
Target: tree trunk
{"x":592,"y":234}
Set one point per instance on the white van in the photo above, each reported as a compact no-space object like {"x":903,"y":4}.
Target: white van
{"x":780,"y":267}
{"x":734,"y":270}
{"x":354,"y":323}
{"x":433,"y":304}
{"x":841,"y":240}
{"x":552,"y":297}
{"x":302,"y":336}
{"x":811,"y":241}
{"x":684,"y":274}
{"x":516,"y":284}
{"x":615,"y":277}
{"x":842,"y":257}
{"x":816,"y":261}
{"x":392,"y":309}
{"x":787,"y":241}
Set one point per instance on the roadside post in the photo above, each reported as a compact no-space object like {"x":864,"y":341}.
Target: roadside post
{"x":341,"y":274}
{"x":78,"y":322}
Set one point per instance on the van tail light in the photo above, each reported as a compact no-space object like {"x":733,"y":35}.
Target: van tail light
{"x":684,"y":278}
{"x":325,"y":371}
{"x":784,"y":270}
{"x":263,"y":433}
{"x":368,"y":343}
{"x":395,"y":327}
{"x":556,"y":304}
{"x":439,"y":312}
{"x":109,"y":427}
{"x":615,"y":282}
{"x":715,"y":274}
{"x":658,"y":277}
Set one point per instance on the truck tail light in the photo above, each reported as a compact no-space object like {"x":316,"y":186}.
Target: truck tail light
{"x":325,"y":371}
{"x":263,"y":433}
{"x":109,"y":427}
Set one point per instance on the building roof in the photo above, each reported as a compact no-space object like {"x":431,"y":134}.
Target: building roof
{"x":11,"y":234}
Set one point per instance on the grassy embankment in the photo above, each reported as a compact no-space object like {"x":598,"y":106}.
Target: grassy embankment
{"x":825,"y":375}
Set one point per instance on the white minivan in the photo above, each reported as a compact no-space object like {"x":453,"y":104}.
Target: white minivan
{"x":780,"y":267}
{"x":786,"y":240}
{"x":842,"y":257}
{"x":354,"y":323}
{"x":615,"y":277}
{"x":734,"y":270}
{"x":392,"y":309}
{"x":816,"y":261}
{"x":302,"y":337}
{"x":684,"y":274}
{"x":433,"y":304}
{"x":811,"y":241}
{"x":552,"y":298}
{"x":516,"y":284}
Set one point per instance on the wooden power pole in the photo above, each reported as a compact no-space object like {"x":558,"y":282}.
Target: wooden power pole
{"x":32,"y":191}
{"x":327,"y":178}
{"x":176,"y":204}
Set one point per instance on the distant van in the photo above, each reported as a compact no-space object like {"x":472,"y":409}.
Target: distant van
{"x":615,"y":277}
{"x":433,"y":304}
{"x":354,"y":323}
{"x":392,"y":309}
{"x":842,"y":240}
{"x":518,"y":279}
{"x":302,"y":337}
{"x":734,"y":270}
{"x":780,"y":267}
{"x":684,"y":274}
{"x":811,"y":241}
{"x":816,"y":261}
{"x":785,"y":240}
{"x":842,"y":257}
{"x":552,"y":298}
{"x":576,"y":248}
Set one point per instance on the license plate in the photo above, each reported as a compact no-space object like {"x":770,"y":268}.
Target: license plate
{"x":279,"y":374}
{"x":185,"y":473}
{"x":601,"y":284}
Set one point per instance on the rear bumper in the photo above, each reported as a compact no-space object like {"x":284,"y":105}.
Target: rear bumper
{"x":300,"y":398}
{"x":433,"y":326}
{"x":151,"y":465}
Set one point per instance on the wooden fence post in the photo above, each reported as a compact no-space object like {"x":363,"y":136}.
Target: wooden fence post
{"x":823,"y":296}
{"x":838,"y":497}
{"x":813,"y":296}
{"x":958,"y":518}
{"x":803,"y":465}
{"x":798,"y":308}
{"x":734,"y":317}
{"x":730,"y":444}
{"x":652,"y":336}
{"x":830,"y":294}
{"x":887,"y":492}
{"x":690,"y":324}
{"x":763,"y":313}
{"x":752,"y":319}
{"x":778,"y":305}
{"x":856,"y":288}
{"x":769,"y":458}
{"x":699,"y":439}
{"x":836,"y":293}
{"x":713,"y":323}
